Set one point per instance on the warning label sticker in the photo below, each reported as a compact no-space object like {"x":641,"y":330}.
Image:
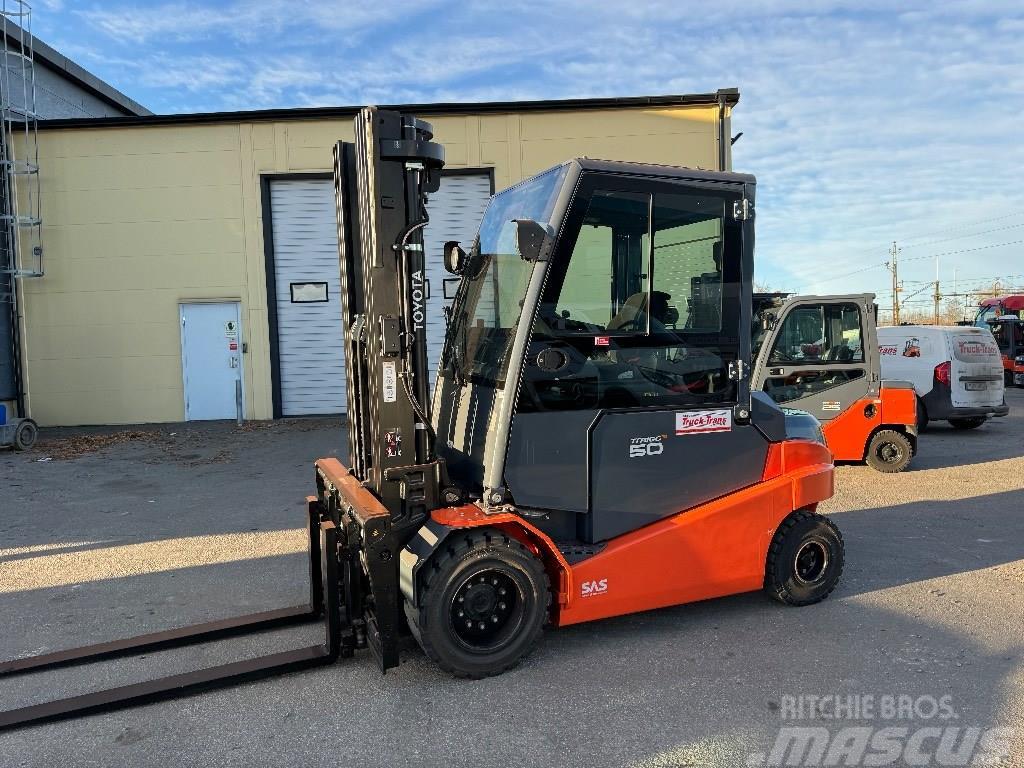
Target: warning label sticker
{"x":390,"y":382}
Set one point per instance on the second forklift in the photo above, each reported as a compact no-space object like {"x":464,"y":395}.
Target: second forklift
{"x":821,"y":354}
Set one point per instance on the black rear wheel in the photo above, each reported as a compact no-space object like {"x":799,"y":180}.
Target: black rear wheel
{"x":972,"y":423}
{"x":483,"y":604}
{"x":805,"y":559}
{"x":889,"y":451}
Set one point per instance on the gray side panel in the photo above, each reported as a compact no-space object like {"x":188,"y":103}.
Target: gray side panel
{"x":767,"y":416}
{"x":629,"y":492}
{"x":7,"y":388}
{"x":546,"y":465}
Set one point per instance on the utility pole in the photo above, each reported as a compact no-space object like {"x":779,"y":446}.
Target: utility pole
{"x":891,"y":266}
{"x":937,"y":296}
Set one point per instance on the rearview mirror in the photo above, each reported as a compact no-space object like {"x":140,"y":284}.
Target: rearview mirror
{"x":454,"y":257}
{"x":534,"y":240}
{"x":768,"y":321}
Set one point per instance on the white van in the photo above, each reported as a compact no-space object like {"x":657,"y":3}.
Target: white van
{"x":956,"y":371}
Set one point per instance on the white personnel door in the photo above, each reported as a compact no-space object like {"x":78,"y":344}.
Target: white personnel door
{"x":211,"y":359}
{"x":310,"y":346}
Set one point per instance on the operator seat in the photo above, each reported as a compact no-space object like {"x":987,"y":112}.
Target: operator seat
{"x":632,"y":314}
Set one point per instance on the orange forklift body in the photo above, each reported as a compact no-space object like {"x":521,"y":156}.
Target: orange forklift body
{"x":849,"y":433}
{"x":712,"y":550}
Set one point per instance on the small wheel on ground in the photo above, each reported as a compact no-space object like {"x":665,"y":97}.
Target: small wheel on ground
{"x":805,"y":559}
{"x":922,"y":416}
{"x":972,"y":423}
{"x":484,"y":603}
{"x":889,"y":451}
{"x":25,"y":435}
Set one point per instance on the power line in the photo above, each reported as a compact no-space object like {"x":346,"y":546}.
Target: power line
{"x":965,"y":250}
{"x":958,"y":227}
{"x":961,"y":237}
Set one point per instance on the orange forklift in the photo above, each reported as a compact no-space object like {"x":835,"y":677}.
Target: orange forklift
{"x":820,"y":354}
{"x":593,"y":446}
{"x":1008,"y":331}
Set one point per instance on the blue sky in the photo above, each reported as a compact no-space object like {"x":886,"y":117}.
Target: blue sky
{"x":863,"y":124}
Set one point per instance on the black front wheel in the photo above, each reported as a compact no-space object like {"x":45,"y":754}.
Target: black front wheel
{"x":483,"y":604}
{"x":805,"y":559}
{"x":889,"y":451}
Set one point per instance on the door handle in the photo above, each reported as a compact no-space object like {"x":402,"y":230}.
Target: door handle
{"x":775,"y":371}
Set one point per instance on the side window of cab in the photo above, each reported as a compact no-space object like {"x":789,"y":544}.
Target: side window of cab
{"x":813,"y":341}
{"x":641,"y":307}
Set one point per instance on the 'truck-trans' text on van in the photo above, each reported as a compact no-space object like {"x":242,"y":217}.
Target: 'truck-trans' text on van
{"x":957,"y":371}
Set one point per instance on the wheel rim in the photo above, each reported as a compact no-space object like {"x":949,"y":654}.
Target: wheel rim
{"x":487,"y":610}
{"x":811,"y":562}
{"x":889,"y":452}
{"x":26,"y":434}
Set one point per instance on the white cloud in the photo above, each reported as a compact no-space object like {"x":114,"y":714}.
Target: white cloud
{"x":862,"y":123}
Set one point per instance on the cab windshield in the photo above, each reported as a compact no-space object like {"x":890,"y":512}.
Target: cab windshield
{"x":490,"y":298}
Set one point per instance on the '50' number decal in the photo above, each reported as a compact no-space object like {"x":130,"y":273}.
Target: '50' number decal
{"x":646,"y":446}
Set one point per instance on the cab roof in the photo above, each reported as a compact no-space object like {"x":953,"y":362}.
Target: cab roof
{"x":663,"y":171}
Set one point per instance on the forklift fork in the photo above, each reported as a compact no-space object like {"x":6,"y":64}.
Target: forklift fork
{"x":324,"y":603}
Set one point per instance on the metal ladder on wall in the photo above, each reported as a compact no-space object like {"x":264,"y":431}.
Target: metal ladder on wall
{"x":21,"y":250}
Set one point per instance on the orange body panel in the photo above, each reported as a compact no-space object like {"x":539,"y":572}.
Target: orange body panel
{"x":712,"y":550}
{"x":848,"y":433}
{"x":1011,"y":366}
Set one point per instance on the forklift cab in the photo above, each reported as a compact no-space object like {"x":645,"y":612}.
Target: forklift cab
{"x":594,"y":380}
{"x":821,"y":354}
{"x":1008,"y":332}
{"x":817,"y":353}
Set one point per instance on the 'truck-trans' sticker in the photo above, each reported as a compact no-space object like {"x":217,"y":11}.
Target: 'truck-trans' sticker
{"x":702,"y":422}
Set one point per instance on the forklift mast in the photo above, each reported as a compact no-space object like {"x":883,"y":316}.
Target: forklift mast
{"x":382,"y":181}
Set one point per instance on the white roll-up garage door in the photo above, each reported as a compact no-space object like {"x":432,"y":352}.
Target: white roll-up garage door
{"x":310,"y":348}
{"x":455,"y":211}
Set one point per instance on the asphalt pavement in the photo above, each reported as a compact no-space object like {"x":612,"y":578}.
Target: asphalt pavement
{"x":107,"y":535}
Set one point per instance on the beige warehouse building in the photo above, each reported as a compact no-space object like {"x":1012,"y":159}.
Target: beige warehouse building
{"x":182,"y":252}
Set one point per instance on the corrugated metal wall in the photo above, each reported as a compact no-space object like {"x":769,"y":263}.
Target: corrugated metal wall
{"x":455,"y":211}
{"x":311,"y":351}
{"x":310,"y":348}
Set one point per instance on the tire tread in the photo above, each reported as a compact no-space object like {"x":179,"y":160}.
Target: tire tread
{"x":484,"y":538}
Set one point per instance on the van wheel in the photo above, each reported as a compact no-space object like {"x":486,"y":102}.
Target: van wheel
{"x":922,"y":416}
{"x":972,"y":423}
{"x":805,"y":559}
{"x":1007,"y":379}
{"x":484,"y":603}
{"x":889,"y":451}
